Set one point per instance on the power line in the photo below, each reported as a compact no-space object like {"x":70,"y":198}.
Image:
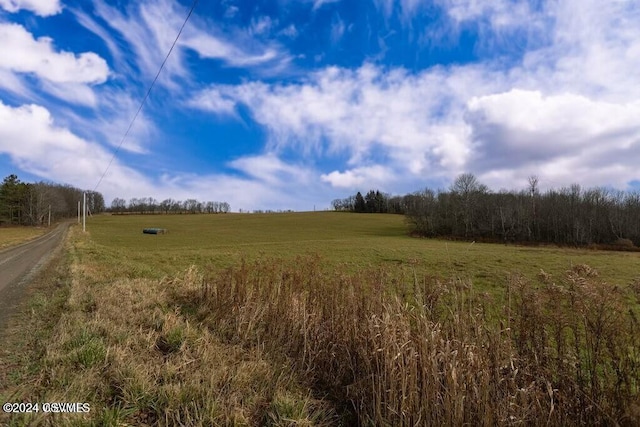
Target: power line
{"x":193,"y":6}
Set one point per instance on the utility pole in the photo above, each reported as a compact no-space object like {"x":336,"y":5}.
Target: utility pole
{"x":84,"y":212}
{"x":49,"y":216}
{"x":78,"y":211}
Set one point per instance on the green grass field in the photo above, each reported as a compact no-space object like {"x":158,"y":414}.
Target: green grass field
{"x":322,"y":319}
{"x":357,"y":241}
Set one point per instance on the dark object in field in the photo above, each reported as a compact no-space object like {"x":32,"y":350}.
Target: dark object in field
{"x":154,"y":230}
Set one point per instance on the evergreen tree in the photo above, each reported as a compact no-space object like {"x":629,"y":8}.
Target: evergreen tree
{"x":360,"y":205}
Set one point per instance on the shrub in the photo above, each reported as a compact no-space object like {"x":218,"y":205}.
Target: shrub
{"x":625,"y":243}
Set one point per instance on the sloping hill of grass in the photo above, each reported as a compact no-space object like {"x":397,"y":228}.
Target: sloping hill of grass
{"x":330,"y":319}
{"x":353,"y":240}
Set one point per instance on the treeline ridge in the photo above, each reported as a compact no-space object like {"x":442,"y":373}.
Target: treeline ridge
{"x":149,"y":205}
{"x":470,"y":210}
{"x":24,"y":203}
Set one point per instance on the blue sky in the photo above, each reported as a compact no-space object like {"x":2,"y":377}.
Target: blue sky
{"x":289,"y":104}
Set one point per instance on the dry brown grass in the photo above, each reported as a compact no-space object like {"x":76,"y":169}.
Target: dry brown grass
{"x":125,"y":347}
{"x":11,"y":236}
{"x":562,"y":352}
{"x":291,"y":342}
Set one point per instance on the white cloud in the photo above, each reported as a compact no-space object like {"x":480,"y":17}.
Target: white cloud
{"x":567,"y":112}
{"x":231,"y":11}
{"x":337,"y":30}
{"x":411,"y":119}
{"x":215,"y":101}
{"x":268,"y":168}
{"x":116,"y":111}
{"x":262,"y":25}
{"x":520,"y":131}
{"x":577,"y":115}
{"x":150,"y":29}
{"x":501,"y":13}
{"x":22,"y":53}
{"x":372,"y":176}
{"x":12,"y":83}
{"x":290,"y":31}
{"x":595,"y":50}
{"x":37,"y":145}
{"x":386,"y":6}
{"x":39,"y":7}
{"x":74,"y":93}
{"x":208,"y":46}
{"x":317,"y":4}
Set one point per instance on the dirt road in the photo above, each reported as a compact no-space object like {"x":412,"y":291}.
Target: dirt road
{"x":19,"y":263}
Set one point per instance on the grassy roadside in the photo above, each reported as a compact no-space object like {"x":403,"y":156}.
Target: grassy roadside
{"x":11,"y":236}
{"x":26,"y":336}
{"x":124,"y":347}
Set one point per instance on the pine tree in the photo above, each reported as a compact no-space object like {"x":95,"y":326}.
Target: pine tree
{"x":360,"y":205}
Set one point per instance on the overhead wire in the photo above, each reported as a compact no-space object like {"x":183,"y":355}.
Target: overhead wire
{"x":144,"y":99}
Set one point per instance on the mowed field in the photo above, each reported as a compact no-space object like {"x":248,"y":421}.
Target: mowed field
{"x":355,"y":241}
{"x":322,"y":319}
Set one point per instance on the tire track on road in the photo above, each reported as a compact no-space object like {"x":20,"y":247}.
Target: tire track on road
{"x":19,"y":263}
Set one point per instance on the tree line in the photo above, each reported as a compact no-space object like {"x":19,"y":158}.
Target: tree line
{"x":149,"y":205}
{"x":373,"y":202}
{"x":470,"y":210}
{"x":23,"y":203}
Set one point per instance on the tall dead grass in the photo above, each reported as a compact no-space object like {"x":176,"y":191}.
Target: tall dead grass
{"x":394,"y":349}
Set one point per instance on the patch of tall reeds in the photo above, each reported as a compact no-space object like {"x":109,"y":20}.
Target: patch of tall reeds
{"x":391,"y":348}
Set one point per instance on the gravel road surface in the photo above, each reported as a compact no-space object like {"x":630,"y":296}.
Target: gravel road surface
{"x":19,"y":263}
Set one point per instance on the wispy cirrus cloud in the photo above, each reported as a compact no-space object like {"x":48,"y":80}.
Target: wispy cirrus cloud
{"x":13,"y":84}
{"x":317,"y":4}
{"x":98,"y":29}
{"x":39,"y":7}
{"x":338,"y":28}
{"x":150,"y":29}
{"x":143,"y":34}
{"x":208,"y":46}
{"x":499,"y":13}
{"x":270,"y":169}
